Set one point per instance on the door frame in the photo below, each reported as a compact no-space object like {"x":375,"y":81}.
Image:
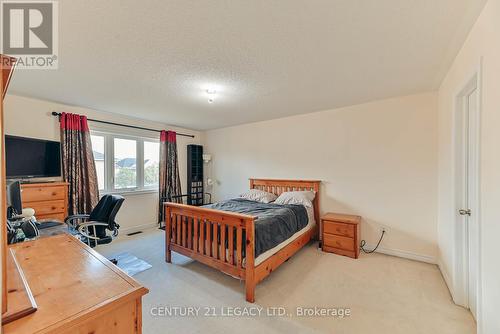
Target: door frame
{"x":461,"y":244}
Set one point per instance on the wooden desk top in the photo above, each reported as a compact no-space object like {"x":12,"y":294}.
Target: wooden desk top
{"x":70,"y":282}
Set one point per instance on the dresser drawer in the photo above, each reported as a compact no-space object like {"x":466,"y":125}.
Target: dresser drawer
{"x":337,"y":241}
{"x":345,"y":230}
{"x":44,"y":208}
{"x":55,"y":216}
{"x":49,"y":193}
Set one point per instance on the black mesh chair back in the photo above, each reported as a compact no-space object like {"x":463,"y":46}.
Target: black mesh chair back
{"x":105,"y":212}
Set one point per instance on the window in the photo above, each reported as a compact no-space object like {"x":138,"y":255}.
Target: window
{"x":98,"y":150}
{"x":125,"y":163}
{"x":151,"y":164}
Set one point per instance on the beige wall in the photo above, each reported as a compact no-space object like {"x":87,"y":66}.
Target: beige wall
{"x":31,"y":118}
{"x":378,"y":160}
{"x":482,"y":43}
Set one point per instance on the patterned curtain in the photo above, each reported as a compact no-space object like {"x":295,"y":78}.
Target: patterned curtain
{"x":78,"y":164}
{"x":170,"y":181}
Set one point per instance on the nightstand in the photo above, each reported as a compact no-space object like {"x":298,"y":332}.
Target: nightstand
{"x":340,"y":234}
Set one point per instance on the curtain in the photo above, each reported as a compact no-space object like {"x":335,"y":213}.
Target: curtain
{"x":170,"y":181}
{"x":78,"y":163}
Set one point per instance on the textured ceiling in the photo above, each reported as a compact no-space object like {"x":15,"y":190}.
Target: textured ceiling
{"x":266,"y":58}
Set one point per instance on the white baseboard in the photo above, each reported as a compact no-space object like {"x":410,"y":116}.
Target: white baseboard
{"x":137,"y":228}
{"x":403,"y":254}
{"x":446,"y":278}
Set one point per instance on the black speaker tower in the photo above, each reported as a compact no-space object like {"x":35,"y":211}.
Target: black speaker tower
{"x":195,"y":175}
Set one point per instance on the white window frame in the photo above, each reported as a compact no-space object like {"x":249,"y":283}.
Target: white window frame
{"x":149,"y":140}
{"x":109,"y":166}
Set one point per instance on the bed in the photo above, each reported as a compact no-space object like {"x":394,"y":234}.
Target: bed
{"x":226,"y":240}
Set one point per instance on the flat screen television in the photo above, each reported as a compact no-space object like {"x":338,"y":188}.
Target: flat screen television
{"x":32,"y":158}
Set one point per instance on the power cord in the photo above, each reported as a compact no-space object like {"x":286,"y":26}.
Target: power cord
{"x":363,"y":244}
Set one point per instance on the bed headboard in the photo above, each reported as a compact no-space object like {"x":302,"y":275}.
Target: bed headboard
{"x":279,"y":186}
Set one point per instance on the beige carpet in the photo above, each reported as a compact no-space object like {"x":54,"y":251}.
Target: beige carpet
{"x":384,"y":294}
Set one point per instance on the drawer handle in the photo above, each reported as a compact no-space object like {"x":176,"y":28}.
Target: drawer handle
{"x":54,"y":193}
{"x":338,"y":243}
{"x":339,"y":230}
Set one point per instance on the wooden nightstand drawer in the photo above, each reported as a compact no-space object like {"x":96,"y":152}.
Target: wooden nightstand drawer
{"x":337,"y":241}
{"x":345,"y":230}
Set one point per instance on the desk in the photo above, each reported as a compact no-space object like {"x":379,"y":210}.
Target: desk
{"x":76,"y":290}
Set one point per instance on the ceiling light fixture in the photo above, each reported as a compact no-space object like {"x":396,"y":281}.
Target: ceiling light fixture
{"x":211,"y":95}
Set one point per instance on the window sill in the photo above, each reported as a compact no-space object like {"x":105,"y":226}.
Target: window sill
{"x":129,"y":192}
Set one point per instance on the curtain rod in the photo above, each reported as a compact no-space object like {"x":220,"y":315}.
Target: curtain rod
{"x":58,"y":114}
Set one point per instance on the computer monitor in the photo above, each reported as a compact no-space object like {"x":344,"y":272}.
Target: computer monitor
{"x":14,"y":202}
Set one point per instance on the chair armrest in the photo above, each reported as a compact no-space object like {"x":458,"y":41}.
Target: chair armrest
{"x":69,"y":220}
{"x":83,"y":228}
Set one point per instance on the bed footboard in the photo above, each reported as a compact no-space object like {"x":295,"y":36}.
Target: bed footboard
{"x":214,"y":238}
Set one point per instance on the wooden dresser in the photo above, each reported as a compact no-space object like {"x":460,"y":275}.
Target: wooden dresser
{"x":49,"y":200}
{"x":75,"y":290}
{"x":340,"y":234}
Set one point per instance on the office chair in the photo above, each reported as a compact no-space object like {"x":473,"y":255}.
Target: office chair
{"x":92,"y":228}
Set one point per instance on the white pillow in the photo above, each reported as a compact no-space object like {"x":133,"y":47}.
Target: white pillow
{"x":259,"y":196}
{"x":304,"y":198}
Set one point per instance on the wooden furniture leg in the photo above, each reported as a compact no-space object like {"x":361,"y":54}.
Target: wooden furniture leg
{"x":168,"y":226}
{"x":250,"y":261}
{"x":250,"y":290}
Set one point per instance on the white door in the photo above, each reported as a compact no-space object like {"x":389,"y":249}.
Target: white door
{"x":470,"y":194}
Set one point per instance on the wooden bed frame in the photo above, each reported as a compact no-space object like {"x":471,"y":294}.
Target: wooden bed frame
{"x":184,"y":235}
